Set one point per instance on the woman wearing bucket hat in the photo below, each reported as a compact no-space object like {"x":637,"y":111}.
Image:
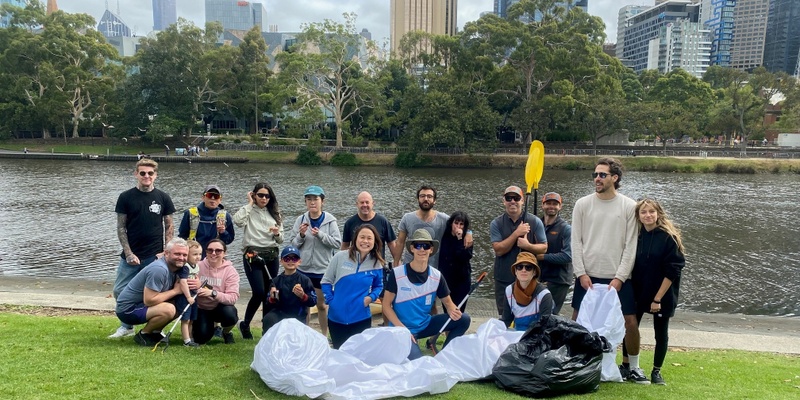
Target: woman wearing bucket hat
{"x":526,"y":300}
{"x":317,"y":235}
{"x":411,"y":290}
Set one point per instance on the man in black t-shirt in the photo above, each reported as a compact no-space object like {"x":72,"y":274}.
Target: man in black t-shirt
{"x":144,"y":226}
{"x":367,"y":215}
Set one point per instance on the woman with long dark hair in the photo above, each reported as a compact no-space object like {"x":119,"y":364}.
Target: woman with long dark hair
{"x":353,"y":280}
{"x":263,"y":233}
{"x":454,"y":257}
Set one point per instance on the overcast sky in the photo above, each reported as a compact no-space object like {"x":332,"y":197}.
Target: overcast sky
{"x":290,"y":14}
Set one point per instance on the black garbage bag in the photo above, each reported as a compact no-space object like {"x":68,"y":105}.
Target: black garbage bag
{"x":555,"y":356}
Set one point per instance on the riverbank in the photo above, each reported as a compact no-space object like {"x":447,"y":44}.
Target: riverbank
{"x":509,"y":161}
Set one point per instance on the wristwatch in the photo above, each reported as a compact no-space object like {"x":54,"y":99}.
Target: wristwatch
{"x":213,"y":294}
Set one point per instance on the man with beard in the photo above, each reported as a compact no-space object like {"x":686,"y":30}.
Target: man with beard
{"x":604,"y":236}
{"x":511,"y":233}
{"x":556,"y":263}
{"x":367,"y":215}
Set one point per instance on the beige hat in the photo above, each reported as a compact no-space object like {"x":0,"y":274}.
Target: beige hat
{"x":527,"y":258}
{"x":422,"y":235}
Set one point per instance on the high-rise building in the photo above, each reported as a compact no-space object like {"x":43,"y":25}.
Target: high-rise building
{"x":667,"y":36}
{"x":717,"y":15}
{"x":432,"y":16}
{"x":111,"y":25}
{"x":749,"y":31}
{"x":52,"y":6}
{"x":782,"y":43}
{"x":625,"y":13}
{"x":237,"y":14}
{"x":5,"y":20}
{"x":165,"y":13}
{"x":501,"y":6}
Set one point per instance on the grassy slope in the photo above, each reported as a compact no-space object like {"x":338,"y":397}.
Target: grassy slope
{"x":69,"y":357}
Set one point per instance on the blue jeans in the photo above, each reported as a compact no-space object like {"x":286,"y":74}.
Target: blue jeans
{"x":455,"y":329}
{"x":126,"y":272}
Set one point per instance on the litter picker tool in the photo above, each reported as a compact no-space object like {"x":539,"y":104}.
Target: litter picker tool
{"x":165,"y":339}
{"x":464,"y":300}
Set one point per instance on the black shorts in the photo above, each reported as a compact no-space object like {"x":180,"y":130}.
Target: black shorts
{"x":625,"y":294}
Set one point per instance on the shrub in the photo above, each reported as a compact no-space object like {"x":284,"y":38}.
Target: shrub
{"x":344,"y":160}
{"x":410,"y":159}
{"x":307,"y":156}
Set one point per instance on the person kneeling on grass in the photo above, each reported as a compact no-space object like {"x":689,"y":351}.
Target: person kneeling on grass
{"x":410,"y":291}
{"x":290,"y":293}
{"x":217,"y":304}
{"x":147,"y":298}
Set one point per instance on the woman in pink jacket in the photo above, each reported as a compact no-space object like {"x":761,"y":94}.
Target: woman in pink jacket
{"x":216,"y":304}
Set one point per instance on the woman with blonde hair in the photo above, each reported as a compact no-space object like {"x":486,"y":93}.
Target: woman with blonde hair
{"x":656,"y":276}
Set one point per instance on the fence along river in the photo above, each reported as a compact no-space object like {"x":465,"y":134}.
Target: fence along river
{"x":740,"y":231}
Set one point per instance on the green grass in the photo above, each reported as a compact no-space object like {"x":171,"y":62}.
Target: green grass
{"x":70,"y":357}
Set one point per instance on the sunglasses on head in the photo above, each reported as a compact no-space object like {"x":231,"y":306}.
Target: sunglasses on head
{"x":422,"y":246}
{"x":262,"y":195}
{"x":526,"y":267}
{"x":291,"y":258}
{"x":512,"y":197}
{"x":150,"y":173}
{"x":212,"y":196}
{"x":602,"y":175}
{"x":215,"y":251}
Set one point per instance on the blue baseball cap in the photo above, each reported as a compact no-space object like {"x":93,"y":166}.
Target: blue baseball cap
{"x":314,"y":191}
{"x":290,"y":250}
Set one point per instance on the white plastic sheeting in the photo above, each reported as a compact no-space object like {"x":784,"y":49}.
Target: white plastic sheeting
{"x":601,"y":312}
{"x":296,"y":360}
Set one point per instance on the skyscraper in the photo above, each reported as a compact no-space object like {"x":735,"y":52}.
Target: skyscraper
{"x":432,"y":16}
{"x":749,"y":31}
{"x":4,"y":21}
{"x":717,"y":15}
{"x":237,"y":14}
{"x":625,"y":13}
{"x":52,"y":6}
{"x":165,"y":13}
{"x":111,"y":25}
{"x":501,"y":6}
{"x":782,"y":44}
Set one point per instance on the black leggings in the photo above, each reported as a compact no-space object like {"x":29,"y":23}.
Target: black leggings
{"x":341,"y":332}
{"x":256,"y":272}
{"x":661,"y":331}
{"x":203,"y":327}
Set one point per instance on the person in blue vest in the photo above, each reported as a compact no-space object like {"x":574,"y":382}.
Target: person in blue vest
{"x":412,"y":288}
{"x":527,"y":300}
{"x":208,"y":220}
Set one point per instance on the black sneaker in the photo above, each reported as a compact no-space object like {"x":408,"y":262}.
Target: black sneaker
{"x":656,"y":378}
{"x":625,"y":372}
{"x":218,"y":331}
{"x":190,"y":343}
{"x":144,"y":339}
{"x":228,"y":337}
{"x":637,"y":376}
{"x":245,"y":330}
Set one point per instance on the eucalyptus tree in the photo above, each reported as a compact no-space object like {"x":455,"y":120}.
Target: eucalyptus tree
{"x":250,"y":97}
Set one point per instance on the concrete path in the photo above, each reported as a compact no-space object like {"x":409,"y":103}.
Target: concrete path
{"x":687,"y":329}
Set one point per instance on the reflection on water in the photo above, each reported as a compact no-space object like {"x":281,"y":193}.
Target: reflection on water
{"x":740,"y":231}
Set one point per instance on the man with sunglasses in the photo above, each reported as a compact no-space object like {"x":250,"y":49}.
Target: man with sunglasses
{"x":144,"y":226}
{"x":208,"y":220}
{"x":604,"y":237}
{"x":511,"y":233}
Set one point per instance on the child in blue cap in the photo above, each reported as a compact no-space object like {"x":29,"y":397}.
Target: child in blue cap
{"x":291,"y":293}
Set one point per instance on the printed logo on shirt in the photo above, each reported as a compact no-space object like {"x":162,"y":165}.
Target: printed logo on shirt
{"x":155,"y":208}
{"x":428,"y":299}
{"x":406,"y":289}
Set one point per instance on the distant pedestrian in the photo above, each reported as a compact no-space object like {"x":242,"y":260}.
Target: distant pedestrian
{"x":25,"y":150}
{"x":166,"y":150}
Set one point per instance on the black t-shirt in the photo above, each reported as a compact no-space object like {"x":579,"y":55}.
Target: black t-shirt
{"x":416,"y":278}
{"x":385,"y":230}
{"x":145,"y":212}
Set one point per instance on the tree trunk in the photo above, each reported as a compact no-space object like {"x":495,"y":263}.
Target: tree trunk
{"x":338,"y":119}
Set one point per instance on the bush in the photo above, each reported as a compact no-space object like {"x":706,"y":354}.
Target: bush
{"x":410,"y":159}
{"x":307,"y":156}
{"x":344,"y":160}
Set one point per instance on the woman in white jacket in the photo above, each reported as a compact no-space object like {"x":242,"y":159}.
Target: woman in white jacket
{"x":317,"y":235}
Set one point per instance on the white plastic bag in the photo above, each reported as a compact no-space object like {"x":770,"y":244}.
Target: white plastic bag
{"x":601,"y":312}
{"x":472,"y":357}
{"x":377,"y":346}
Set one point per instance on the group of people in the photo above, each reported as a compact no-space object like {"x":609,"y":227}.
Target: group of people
{"x":632,"y":247}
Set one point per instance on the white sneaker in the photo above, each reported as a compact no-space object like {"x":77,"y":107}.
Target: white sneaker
{"x":121,"y":332}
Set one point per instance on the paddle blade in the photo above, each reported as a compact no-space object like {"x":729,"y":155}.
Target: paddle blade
{"x":535,"y":165}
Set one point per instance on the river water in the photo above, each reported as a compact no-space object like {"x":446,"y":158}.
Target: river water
{"x":740,"y":231}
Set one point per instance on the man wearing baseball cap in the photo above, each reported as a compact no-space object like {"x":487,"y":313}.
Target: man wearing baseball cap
{"x":208,"y":220}
{"x":511,"y":233}
{"x":556,"y":263}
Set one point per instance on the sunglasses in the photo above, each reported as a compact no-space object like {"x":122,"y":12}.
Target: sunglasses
{"x":150,"y":173}
{"x":262,"y":195}
{"x":509,"y":198}
{"x":212,"y":196}
{"x":215,"y":251}
{"x":422,"y":246}
{"x":526,"y":267}
{"x":602,"y":175}
{"x":291,"y":258}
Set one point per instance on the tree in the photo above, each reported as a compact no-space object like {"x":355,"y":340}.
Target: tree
{"x":325,"y":69}
{"x":249,"y":97}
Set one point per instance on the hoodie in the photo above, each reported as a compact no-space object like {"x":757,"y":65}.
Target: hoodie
{"x":225,"y":280}
{"x":657,"y":257}
{"x":316,"y":251}
{"x":347,"y":282}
